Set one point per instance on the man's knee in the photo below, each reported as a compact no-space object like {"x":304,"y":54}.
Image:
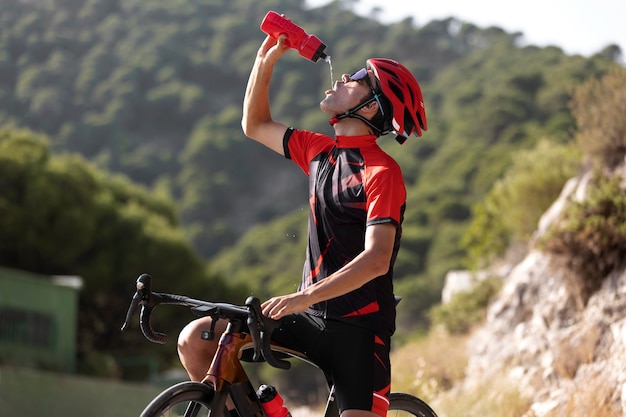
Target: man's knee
{"x":190,"y":338}
{"x":195,"y":353}
{"x":191,"y":343}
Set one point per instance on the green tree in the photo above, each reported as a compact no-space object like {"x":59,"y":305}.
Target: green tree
{"x":59,"y":215}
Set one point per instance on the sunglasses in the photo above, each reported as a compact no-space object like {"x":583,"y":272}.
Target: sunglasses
{"x":360,"y":75}
{"x":363,"y":75}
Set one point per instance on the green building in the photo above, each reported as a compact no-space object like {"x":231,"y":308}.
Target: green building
{"x":38,"y":320}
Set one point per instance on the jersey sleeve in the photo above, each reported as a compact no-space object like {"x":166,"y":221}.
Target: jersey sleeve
{"x":302,"y":146}
{"x":386,"y":195}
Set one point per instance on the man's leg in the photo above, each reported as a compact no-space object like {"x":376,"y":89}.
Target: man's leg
{"x":195,"y":353}
{"x":360,"y":369}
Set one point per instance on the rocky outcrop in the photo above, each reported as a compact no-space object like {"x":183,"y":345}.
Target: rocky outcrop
{"x":557,"y":347}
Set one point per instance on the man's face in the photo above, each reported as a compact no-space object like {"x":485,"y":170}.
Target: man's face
{"x":345,"y":94}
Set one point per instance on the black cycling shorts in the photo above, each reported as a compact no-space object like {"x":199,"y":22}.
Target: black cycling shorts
{"x":356,"y":359}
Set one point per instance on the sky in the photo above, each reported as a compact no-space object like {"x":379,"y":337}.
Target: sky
{"x":576,"y":26}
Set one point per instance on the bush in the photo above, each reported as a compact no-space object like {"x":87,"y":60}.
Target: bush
{"x":591,"y":237}
{"x":599,"y":107}
{"x":466,"y":308}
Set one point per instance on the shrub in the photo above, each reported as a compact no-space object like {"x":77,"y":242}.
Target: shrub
{"x":467,"y":308}
{"x":599,"y":107}
{"x":591,"y":237}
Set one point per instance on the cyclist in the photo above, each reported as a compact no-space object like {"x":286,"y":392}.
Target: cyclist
{"x":343,"y":314}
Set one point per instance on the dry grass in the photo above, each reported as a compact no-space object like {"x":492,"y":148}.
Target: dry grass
{"x":429,"y":367}
{"x":497,"y":396}
{"x":432,"y":367}
{"x":595,"y":399}
{"x":577,"y":350}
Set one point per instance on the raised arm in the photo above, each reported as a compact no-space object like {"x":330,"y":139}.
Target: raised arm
{"x":257,"y":122}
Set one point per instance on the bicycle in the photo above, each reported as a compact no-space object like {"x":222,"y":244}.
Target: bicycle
{"x":247,"y":330}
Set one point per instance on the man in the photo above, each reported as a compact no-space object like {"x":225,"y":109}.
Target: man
{"x":343,"y":314}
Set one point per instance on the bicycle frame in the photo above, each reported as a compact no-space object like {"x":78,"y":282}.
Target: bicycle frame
{"x":226,"y":369}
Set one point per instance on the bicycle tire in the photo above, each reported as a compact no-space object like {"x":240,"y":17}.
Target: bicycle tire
{"x":404,"y":405}
{"x":188,"y":399}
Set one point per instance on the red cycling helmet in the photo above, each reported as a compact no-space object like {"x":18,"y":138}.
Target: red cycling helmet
{"x":402,"y":90}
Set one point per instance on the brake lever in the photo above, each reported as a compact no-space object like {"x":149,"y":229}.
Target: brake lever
{"x":254,"y":305}
{"x":261,"y":328}
{"x":131,"y":310}
{"x":142,"y":295}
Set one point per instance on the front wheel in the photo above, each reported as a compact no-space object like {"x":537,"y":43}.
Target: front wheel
{"x":406,"y":405}
{"x":188,"y":399}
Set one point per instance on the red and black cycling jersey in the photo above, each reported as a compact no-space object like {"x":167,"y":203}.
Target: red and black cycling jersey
{"x":353,"y":184}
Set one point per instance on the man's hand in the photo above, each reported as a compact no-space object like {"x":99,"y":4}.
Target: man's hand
{"x":272,"y":49}
{"x":278,"y":307}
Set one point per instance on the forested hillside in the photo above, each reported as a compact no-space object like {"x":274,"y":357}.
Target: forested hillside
{"x":152,"y":89}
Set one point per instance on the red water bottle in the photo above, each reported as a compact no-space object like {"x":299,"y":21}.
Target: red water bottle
{"x":309,"y":46}
{"x":272,"y":402}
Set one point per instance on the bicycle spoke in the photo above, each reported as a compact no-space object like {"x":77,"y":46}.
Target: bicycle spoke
{"x":185,"y":409}
{"x":194,"y":410}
